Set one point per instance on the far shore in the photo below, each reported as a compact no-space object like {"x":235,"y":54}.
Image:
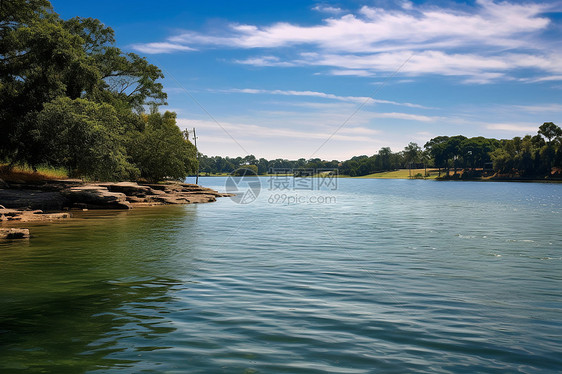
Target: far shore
{"x":418,"y":174}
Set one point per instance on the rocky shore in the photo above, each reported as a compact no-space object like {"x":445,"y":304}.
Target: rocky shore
{"x":55,"y":199}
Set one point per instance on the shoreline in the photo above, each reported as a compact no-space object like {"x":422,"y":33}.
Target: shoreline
{"x":55,"y":200}
{"x":404,"y":174}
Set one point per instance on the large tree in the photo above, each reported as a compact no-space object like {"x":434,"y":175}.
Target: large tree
{"x":43,"y":57}
{"x":84,"y":137}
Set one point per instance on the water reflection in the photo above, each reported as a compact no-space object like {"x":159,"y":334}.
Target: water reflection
{"x":76,"y":295}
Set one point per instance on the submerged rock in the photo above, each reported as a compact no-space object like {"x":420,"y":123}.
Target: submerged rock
{"x":13,"y":233}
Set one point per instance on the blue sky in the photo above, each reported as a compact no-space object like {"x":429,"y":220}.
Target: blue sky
{"x":292,"y":79}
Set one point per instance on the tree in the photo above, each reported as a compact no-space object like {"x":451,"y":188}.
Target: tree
{"x":436,"y":148}
{"x":550,"y":131}
{"x":250,"y":160}
{"x":83,"y":137}
{"x":475,"y":151}
{"x":425,"y":157}
{"x":161,"y":151}
{"x":385,"y":154}
{"x":411,"y":153}
{"x":43,"y":58}
{"x":37,"y":55}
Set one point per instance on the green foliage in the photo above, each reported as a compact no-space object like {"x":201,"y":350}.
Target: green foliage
{"x":43,"y":57}
{"x":530,"y":156}
{"x":412,"y":153}
{"x":69,"y":98}
{"x":82,"y":136}
{"x":550,"y":131}
{"x":249,"y":170}
{"x":161,"y":150}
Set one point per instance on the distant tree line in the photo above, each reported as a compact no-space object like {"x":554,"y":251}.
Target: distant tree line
{"x":218,"y":164}
{"x":69,"y":98}
{"x":456,"y":156}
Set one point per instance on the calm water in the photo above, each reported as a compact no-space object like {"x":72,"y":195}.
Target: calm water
{"x":394,"y":276}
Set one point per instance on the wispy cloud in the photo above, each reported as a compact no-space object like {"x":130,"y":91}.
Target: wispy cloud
{"x":471,"y":42}
{"x":518,"y":128}
{"x":163,"y":47}
{"x":323,"y":95}
{"x":353,"y":134}
{"x":539,"y":108}
{"x":353,"y":72}
{"x":327,"y":9}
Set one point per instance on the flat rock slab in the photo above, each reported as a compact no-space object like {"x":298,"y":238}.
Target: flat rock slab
{"x":58,"y":195}
{"x":128,"y":188}
{"x":13,"y":233}
{"x":7,"y":215}
{"x":32,"y":199}
{"x":95,"y":196}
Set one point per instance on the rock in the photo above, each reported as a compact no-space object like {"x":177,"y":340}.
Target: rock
{"x":136,"y":199}
{"x":54,"y":216}
{"x":180,"y":193}
{"x":29,"y":216}
{"x":155,"y":186}
{"x":128,"y":188}
{"x":202,"y":199}
{"x":96,"y":197}
{"x":57,"y":195}
{"x":32,"y":199}
{"x":167,"y":199}
{"x":13,"y":233}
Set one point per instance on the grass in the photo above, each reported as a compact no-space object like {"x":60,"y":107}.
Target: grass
{"x":396,"y":174}
{"x":402,"y":174}
{"x":26,"y":174}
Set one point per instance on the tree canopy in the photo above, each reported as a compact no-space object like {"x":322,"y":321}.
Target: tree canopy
{"x":64,"y":83}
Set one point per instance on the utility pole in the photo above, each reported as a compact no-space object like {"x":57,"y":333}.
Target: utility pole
{"x":197,"y":153}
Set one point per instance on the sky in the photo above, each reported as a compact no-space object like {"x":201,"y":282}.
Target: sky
{"x":335,"y":79}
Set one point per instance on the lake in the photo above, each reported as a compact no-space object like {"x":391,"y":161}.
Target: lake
{"x":369,"y":276}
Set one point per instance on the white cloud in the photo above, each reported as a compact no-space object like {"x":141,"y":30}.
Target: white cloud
{"x":538,"y":108}
{"x":266,"y":61}
{"x":164,"y":47}
{"x":323,"y":95}
{"x":406,"y":116}
{"x":376,"y":29}
{"x":547,"y":78}
{"x":353,"y":72}
{"x":327,"y":9}
{"x":442,"y":41}
{"x":519,"y":128}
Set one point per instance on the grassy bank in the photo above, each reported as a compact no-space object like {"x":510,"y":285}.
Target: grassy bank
{"x":25,"y":174}
{"x":402,"y":174}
